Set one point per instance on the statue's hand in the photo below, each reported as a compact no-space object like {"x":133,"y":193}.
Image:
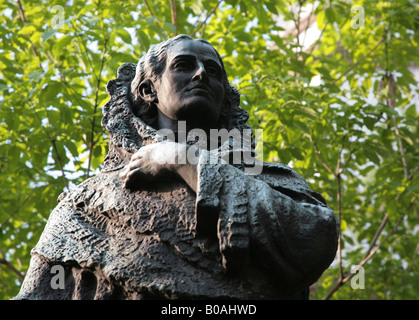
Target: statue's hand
{"x":154,"y":162}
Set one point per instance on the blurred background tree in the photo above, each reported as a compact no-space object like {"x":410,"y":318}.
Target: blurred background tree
{"x":333,"y":85}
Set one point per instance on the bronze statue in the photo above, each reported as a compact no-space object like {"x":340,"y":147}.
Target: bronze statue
{"x":172,"y":218}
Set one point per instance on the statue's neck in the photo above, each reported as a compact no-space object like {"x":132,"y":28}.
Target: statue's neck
{"x":180,"y":129}
{"x":163,"y":122}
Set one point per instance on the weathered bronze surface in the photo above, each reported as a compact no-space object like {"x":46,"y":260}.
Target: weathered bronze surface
{"x":148,"y":227}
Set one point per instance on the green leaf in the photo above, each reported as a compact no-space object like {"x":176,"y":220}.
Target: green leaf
{"x":330,"y":15}
{"x":27,"y":30}
{"x":125,"y":36}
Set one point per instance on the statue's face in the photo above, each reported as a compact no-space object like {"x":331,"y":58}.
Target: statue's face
{"x":191,"y":86}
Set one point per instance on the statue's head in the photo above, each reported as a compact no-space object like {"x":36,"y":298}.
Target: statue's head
{"x":185,"y":79}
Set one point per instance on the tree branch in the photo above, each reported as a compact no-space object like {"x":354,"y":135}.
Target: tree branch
{"x":173,"y":10}
{"x":316,"y":150}
{"x":92,"y":131}
{"x":206,"y":18}
{"x":339,"y":201}
{"x":10,"y":266}
{"x":368,"y":255}
{"x":148,"y":8}
{"x":353,"y":66}
{"x":23,"y":17}
{"x":377,"y":234}
{"x":54,"y":148}
{"x":297,"y":22}
{"x":346,"y":164}
{"x":338,"y":176}
{"x":391,"y":103}
{"x":80,"y":40}
{"x":15,"y":211}
{"x":311,"y":20}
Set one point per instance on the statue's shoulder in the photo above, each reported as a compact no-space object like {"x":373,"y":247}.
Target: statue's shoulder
{"x":81,"y":194}
{"x":279,"y":171}
{"x":286,"y":180}
{"x":74,"y":231}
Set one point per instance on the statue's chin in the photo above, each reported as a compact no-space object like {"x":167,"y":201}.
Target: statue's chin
{"x":198,"y":115}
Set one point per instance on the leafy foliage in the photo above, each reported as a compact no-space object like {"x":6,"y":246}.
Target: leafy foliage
{"x":353,"y":135}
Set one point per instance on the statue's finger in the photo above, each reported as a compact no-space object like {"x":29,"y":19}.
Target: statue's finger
{"x":134,"y":164}
{"x":129,"y":167}
{"x":123,"y":173}
{"x":133,"y":177}
{"x":138,"y":155}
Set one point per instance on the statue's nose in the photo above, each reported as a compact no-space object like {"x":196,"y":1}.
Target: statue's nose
{"x":201,"y":73}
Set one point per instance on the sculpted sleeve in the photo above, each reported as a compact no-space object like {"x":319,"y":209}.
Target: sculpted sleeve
{"x":272,"y":220}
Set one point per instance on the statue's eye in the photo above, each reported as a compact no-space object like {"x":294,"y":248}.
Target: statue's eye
{"x":183,"y":65}
{"x":212,"y":70}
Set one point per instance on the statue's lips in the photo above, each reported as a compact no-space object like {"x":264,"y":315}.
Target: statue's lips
{"x":201,"y":91}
